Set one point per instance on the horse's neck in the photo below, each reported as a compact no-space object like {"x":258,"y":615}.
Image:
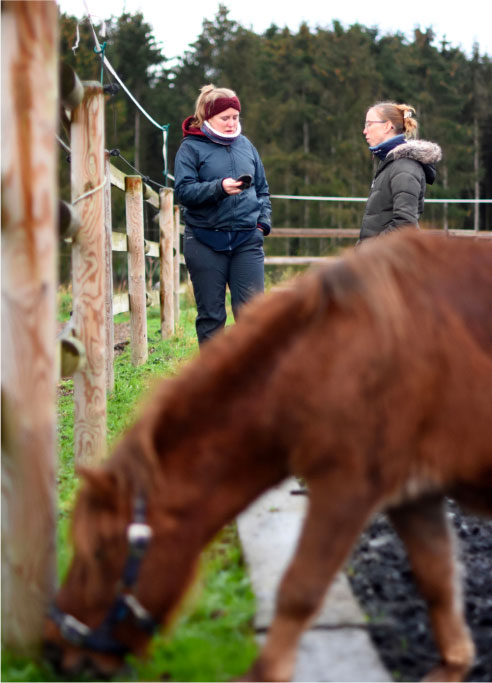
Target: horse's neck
{"x":214,"y":474}
{"x":218,"y":446}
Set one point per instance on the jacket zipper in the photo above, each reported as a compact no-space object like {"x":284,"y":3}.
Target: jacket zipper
{"x":235,"y":196}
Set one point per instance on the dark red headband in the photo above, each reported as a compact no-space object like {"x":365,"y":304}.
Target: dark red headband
{"x":221,"y":104}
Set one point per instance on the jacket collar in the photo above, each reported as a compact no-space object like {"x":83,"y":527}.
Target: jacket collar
{"x":384,"y":148}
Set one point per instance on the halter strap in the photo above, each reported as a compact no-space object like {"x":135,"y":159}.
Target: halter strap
{"x":101,"y":639}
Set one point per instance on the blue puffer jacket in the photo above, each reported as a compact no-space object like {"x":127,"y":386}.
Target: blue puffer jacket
{"x":199,"y":169}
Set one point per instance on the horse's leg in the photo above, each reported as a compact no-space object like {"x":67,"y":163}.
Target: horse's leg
{"x":428,"y":537}
{"x":334,"y":518}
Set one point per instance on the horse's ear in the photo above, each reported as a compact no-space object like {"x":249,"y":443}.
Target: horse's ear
{"x":102,"y":484}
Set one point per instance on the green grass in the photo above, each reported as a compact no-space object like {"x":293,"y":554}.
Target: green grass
{"x":64,"y":304}
{"x":213,"y":638}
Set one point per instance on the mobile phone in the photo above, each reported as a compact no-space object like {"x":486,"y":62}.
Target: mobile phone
{"x":245,"y":179}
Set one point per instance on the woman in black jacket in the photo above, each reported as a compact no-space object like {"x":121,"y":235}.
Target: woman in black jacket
{"x":220,"y":183}
{"x":405,"y":167}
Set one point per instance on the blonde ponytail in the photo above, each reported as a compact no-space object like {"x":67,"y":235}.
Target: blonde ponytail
{"x":410,"y":125}
{"x":402,"y":117}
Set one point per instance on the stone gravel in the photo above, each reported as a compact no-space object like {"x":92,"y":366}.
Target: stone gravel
{"x":382,"y":581}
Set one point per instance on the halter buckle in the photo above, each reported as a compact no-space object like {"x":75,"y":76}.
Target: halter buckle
{"x":73,"y":630}
{"x":139,"y":535}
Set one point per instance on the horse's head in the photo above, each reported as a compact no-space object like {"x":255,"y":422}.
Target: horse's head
{"x":110,"y":602}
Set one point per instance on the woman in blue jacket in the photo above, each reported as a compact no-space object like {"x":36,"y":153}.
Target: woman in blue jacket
{"x":226,"y":215}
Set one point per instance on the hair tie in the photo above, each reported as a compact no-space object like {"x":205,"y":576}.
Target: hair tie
{"x":407,"y":114}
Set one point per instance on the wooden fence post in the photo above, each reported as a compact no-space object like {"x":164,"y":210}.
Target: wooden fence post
{"x":89,"y":274}
{"x":29,"y":283}
{"x":136,"y":269}
{"x":108,"y":247}
{"x":176,"y":263}
{"x":166,"y":239}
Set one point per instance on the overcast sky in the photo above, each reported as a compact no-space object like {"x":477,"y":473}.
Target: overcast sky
{"x":176,"y":24}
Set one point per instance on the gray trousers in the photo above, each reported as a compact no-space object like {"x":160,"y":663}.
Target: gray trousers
{"x":242,"y":269}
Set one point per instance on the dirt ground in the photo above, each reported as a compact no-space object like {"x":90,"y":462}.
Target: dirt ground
{"x":121,"y":337}
{"x":382,"y":582}
{"x":121,"y":334}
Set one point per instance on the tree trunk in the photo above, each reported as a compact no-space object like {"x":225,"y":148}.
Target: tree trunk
{"x":445,"y":206}
{"x":137,"y":140}
{"x":476,"y":169}
{"x":305,"y":135}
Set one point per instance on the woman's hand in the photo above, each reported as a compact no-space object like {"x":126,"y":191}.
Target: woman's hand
{"x":231,"y":186}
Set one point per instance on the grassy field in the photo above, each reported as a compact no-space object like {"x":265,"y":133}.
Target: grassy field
{"x":213,"y":639}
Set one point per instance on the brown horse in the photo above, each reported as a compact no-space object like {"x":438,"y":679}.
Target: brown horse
{"x":370,"y":378}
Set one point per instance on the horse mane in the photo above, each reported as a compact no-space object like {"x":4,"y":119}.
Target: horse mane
{"x":389,"y":280}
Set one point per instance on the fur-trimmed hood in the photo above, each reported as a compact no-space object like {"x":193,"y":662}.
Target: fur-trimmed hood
{"x":421,"y":150}
{"x":425,"y":152}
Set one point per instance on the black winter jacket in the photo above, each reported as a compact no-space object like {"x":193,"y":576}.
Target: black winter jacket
{"x":398,"y":188}
{"x":199,"y":169}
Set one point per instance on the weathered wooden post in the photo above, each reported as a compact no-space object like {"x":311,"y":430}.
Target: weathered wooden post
{"x":176,"y":263}
{"x":136,"y":269}
{"x":108,"y":249}
{"x":89,"y":274}
{"x":166,"y":239}
{"x":29,"y":266}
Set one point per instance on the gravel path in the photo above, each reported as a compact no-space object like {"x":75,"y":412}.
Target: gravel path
{"x":382,"y":582}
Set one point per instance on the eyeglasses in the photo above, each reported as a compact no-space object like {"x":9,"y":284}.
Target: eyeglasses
{"x":368,"y":124}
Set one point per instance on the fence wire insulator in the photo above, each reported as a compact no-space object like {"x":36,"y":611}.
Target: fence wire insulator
{"x":114,"y":152}
{"x":111,"y":89}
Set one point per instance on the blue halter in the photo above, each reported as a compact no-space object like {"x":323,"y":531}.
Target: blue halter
{"x":101,"y":639}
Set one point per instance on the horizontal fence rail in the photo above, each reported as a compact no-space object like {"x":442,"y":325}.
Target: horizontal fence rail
{"x":352,"y":233}
{"x":364,"y":199}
